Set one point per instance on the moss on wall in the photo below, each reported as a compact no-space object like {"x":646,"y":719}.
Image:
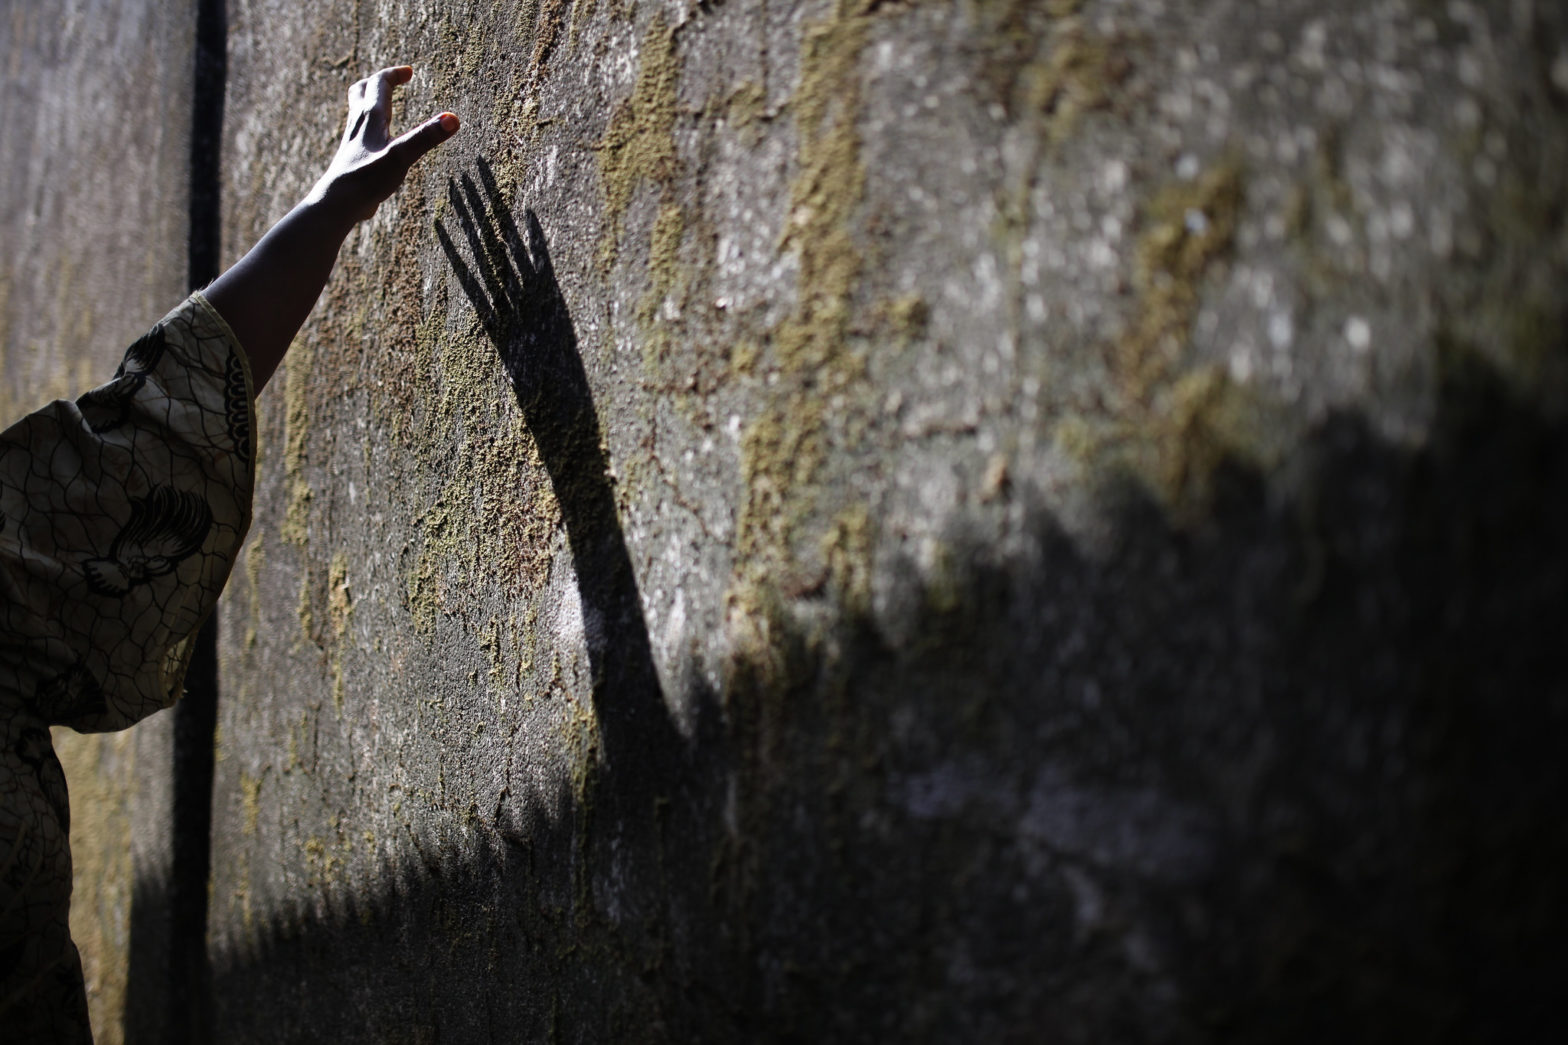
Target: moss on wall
{"x":814,"y":367}
{"x":638,"y":144}
{"x":490,"y":523}
{"x":1171,"y":418}
{"x":298,"y":372}
{"x":255,"y":557}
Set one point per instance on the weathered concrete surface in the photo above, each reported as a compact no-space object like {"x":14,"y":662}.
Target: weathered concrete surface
{"x":852,"y":520}
{"x":93,"y":138}
{"x":93,"y":211}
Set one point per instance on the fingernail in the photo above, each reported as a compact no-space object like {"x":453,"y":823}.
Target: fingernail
{"x":450,"y":123}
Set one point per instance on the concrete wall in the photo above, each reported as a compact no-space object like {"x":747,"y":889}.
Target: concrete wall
{"x":93,"y":147}
{"x":94,"y":207}
{"x":853,"y":520}
{"x":952,"y":520}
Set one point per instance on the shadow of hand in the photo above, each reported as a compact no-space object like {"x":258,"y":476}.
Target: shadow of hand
{"x":524,"y":313}
{"x":518,"y":299}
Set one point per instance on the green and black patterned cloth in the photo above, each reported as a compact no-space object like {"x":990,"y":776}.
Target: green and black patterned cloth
{"x":121,"y":514}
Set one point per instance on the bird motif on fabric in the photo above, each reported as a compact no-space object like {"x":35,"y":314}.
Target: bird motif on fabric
{"x":105,"y":407}
{"x":165,"y":527}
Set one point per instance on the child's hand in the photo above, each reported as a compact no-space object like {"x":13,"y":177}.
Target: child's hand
{"x":368,"y":166}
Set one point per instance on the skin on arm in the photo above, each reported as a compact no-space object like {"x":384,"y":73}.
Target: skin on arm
{"x":267,"y":294}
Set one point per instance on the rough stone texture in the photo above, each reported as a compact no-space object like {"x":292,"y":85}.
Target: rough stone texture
{"x":93,"y":211}
{"x":93,"y":141}
{"x":855,"y":520}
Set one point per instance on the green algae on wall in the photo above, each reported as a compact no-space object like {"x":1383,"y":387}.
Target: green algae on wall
{"x":1078,"y":76}
{"x":298,"y":372}
{"x":491,"y":520}
{"x":1173,"y":420}
{"x":784,"y":448}
{"x":639,"y":143}
{"x":250,"y":791}
{"x":669,"y":230}
{"x":255,"y":558}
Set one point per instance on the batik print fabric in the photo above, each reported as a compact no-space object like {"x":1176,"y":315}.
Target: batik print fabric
{"x":120,"y":517}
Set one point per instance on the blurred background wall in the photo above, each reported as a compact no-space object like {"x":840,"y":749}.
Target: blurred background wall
{"x":871,"y":519}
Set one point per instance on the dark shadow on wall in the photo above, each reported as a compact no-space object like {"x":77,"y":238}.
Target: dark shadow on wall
{"x":1290,"y":774}
{"x":644,"y":779}
{"x":511,"y":283}
{"x":149,"y":959}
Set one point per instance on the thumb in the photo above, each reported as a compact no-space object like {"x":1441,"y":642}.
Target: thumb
{"x":410,"y":146}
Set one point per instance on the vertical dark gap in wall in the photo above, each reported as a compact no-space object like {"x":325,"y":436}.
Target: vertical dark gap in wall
{"x":189,"y":1020}
{"x":210,"y":77}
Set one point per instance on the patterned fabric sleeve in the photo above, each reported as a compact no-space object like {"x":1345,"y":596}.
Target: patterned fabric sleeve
{"x":120,"y":517}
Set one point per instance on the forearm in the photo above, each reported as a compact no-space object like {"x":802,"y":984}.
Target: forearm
{"x":269,"y":292}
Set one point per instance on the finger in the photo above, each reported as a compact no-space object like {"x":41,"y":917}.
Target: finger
{"x":539,"y":247}
{"x":476,"y":293}
{"x":503,"y":217}
{"x":470,"y":222}
{"x":494,"y":250}
{"x":382,"y":84}
{"x":380,"y":98}
{"x":414,"y":144}
{"x":355,"y":120}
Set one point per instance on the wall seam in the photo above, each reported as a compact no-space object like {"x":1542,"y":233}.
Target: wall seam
{"x":189,"y":1019}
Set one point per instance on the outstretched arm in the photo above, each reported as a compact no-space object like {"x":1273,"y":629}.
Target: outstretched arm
{"x":268,"y":293}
